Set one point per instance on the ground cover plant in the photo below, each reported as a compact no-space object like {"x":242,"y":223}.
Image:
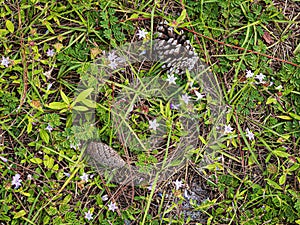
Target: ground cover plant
{"x":252,"y":49}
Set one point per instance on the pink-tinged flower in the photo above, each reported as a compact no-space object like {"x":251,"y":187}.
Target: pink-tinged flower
{"x":185,"y":98}
{"x":150,"y":187}
{"x":104,"y":198}
{"x":3,"y":159}
{"x":49,"y":128}
{"x":228,"y":129}
{"x":50,"y":52}
{"x":174,"y":106}
{"x":67,"y":174}
{"x":112,"y":206}
{"x":16,"y":181}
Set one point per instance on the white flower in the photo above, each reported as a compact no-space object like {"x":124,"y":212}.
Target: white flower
{"x":104,"y":198}
{"x":16,"y":181}
{"x":153,"y":124}
{"x":142,"y":34}
{"x":84,"y":177}
{"x":88,"y":215}
{"x":171,"y":79}
{"x":199,"y":95}
{"x":50,"y":52}
{"x":185,"y":98}
{"x":113,"y":64}
{"x":112,"y":56}
{"x":67,"y":174}
{"x":75,"y":146}
{"x":178,"y":184}
{"x":228,"y":129}
{"x":29,"y":177}
{"x":3,"y":159}
{"x":249,"y":134}
{"x":260,"y":77}
{"x":112,"y":206}
{"x":249,"y":74}
{"x":5,"y":61}
{"x":279,"y":87}
{"x":49,"y":128}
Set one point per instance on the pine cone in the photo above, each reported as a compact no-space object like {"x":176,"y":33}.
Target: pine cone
{"x":174,"y":50}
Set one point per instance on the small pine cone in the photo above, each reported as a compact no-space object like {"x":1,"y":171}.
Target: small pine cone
{"x":174,"y":50}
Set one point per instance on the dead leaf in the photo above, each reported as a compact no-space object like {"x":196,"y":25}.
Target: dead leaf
{"x":267,"y":37}
{"x":58,"y":46}
{"x":95,"y":52}
{"x":36,"y":104}
{"x":80,"y":184}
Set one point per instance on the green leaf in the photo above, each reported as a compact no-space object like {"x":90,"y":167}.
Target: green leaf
{"x":284,"y":117}
{"x":57,"y":105}
{"x":293,"y":167}
{"x":64,"y":97}
{"x":48,"y":25}
{"x":69,"y":120}
{"x":55,"y":167}
{"x":273,"y":184}
{"x":89,"y":103}
{"x":3,"y":32}
{"x":10,"y":26}
{"x":29,"y":127}
{"x":281,"y":153}
{"x":48,"y":162}
{"x":36,"y":160}
{"x":295,"y":116}
{"x":82,"y":96}
{"x":51,"y":211}
{"x":80,"y":108}
{"x":4,"y":218}
{"x":67,"y":199}
{"x":182,"y":17}
{"x":271,"y":100}
{"x":134,"y":16}
{"x":45,"y":136}
{"x":19,"y":214}
{"x":282,"y":179}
